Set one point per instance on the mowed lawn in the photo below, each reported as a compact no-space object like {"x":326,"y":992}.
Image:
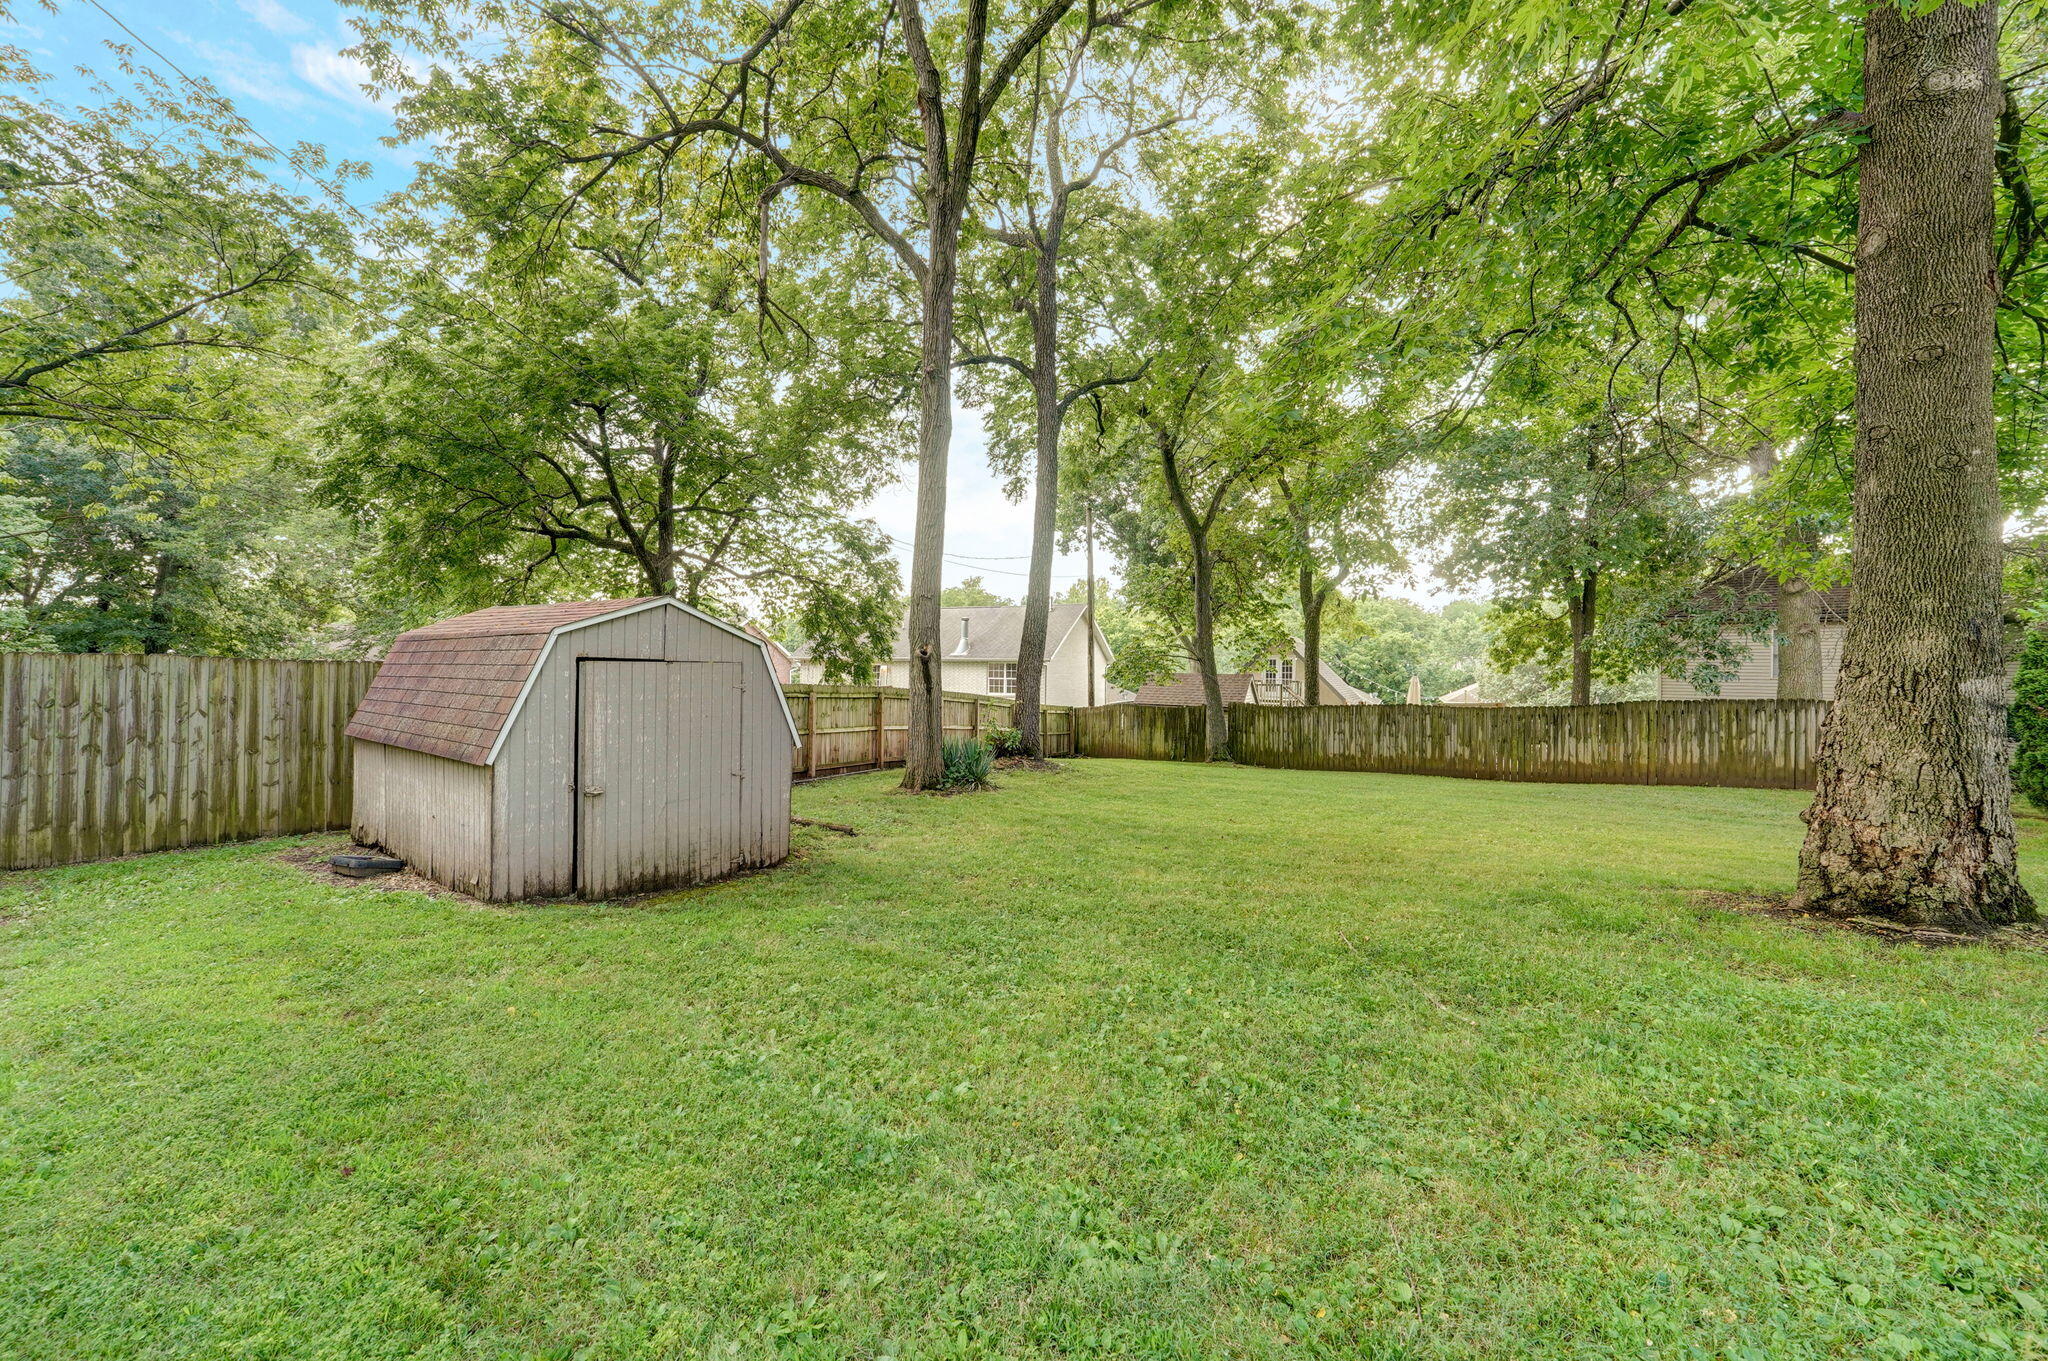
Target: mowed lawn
{"x":1134,"y":1060}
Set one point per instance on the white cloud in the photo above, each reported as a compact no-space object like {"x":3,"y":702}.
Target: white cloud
{"x":275,"y":17}
{"x":236,"y":68}
{"x":332,"y":73}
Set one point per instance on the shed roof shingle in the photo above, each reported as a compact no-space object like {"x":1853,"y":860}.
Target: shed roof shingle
{"x":446,"y":689}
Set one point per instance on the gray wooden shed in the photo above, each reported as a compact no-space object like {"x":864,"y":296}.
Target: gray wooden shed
{"x":596,"y":748}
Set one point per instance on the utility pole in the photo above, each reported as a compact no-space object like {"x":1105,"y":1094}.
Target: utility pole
{"x":1088,"y":515}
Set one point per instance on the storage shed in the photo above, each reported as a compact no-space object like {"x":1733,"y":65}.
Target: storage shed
{"x":595,"y":748}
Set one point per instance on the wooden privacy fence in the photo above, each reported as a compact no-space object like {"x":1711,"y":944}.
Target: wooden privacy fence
{"x":110,"y":754}
{"x":1144,"y":732}
{"x":861,"y":727}
{"x":1762,"y":743}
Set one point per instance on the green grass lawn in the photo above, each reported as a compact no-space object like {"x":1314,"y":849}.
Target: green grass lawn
{"x":1135,"y":1060}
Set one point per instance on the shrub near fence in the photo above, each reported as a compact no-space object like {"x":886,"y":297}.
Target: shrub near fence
{"x":1761,"y":743}
{"x":110,"y":754}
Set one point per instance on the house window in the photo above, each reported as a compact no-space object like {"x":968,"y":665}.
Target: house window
{"x":1279,"y":670}
{"x":1002,"y":678}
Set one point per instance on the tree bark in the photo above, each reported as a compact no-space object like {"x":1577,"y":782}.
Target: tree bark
{"x":1045,"y":395}
{"x":1216,"y":719}
{"x":1581,"y":615}
{"x":924,"y":742}
{"x":1090,"y":620}
{"x":1912,"y":820}
{"x":1798,"y":622}
{"x":1202,"y":647}
{"x":1313,"y":597}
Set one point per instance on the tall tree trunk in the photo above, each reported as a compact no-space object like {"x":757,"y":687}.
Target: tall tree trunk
{"x":1045,"y":394}
{"x":1090,"y":620}
{"x":1795,"y":605}
{"x":1912,"y":819}
{"x":1313,"y":597}
{"x":1581,"y":616}
{"x":924,"y":743}
{"x":1798,"y":621}
{"x":1216,"y":724}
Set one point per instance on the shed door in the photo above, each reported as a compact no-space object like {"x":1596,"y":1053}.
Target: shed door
{"x":657,"y":773}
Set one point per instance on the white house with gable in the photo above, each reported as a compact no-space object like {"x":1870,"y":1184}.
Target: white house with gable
{"x":978,"y":648}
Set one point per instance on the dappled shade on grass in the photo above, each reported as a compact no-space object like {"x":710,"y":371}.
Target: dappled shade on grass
{"x":1134,"y":1060}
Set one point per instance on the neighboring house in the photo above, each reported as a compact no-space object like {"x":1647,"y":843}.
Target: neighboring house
{"x":1757,"y":677}
{"x":978,"y":654}
{"x":778,"y":656}
{"x":1468,"y":695}
{"x":1278,"y":682}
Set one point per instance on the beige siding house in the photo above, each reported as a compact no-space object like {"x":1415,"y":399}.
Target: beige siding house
{"x":597,"y":748}
{"x":1277,"y":682}
{"x":1757,"y":676}
{"x":979,"y":647}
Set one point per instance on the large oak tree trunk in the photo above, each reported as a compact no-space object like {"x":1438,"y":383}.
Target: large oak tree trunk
{"x":1913,"y":816}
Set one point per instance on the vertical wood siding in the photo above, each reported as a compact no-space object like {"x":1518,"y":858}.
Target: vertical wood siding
{"x":431,"y":812}
{"x":837,"y":725}
{"x":1761,"y":743}
{"x":535,"y":853}
{"x":111,"y":754}
{"x":662,"y":741}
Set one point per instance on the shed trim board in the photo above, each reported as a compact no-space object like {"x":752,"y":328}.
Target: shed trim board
{"x":659,"y":602}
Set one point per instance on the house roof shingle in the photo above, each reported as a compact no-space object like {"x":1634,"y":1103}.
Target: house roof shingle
{"x":447,"y":689}
{"x":1754,"y":586}
{"x":1186,"y":689}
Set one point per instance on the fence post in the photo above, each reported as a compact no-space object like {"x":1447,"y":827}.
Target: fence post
{"x":881,"y":748}
{"x":974,"y":721}
{"x":811,"y":735}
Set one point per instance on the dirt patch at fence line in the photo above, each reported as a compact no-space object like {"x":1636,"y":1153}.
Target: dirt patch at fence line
{"x":1038,"y":763}
{"x":1779,"y":907}
{"x":312,"y":859}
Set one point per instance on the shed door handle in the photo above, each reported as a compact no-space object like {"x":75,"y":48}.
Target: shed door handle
{"x":593,"y":791}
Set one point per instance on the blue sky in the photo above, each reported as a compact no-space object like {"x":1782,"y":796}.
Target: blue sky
{"x":283,"y":64}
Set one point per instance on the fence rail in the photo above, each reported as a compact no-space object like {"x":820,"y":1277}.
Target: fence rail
{"x":845,"y":728}
{"x":110,"y":754}
{"x":1759,"y":743}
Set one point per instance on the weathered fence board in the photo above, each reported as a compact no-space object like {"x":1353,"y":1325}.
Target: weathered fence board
{"x":111,"y":754}
{"x":1145,"y":732}
{"x":860,"y":727}
{"x":1761,"y":743}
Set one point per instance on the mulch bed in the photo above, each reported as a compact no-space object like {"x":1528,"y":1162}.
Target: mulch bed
{"x":1037,"y":763}
{"x":313,"y":860}
{"x":1779,"y":907}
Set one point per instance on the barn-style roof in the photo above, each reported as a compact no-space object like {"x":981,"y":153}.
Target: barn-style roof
{"x":450,"y":689}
